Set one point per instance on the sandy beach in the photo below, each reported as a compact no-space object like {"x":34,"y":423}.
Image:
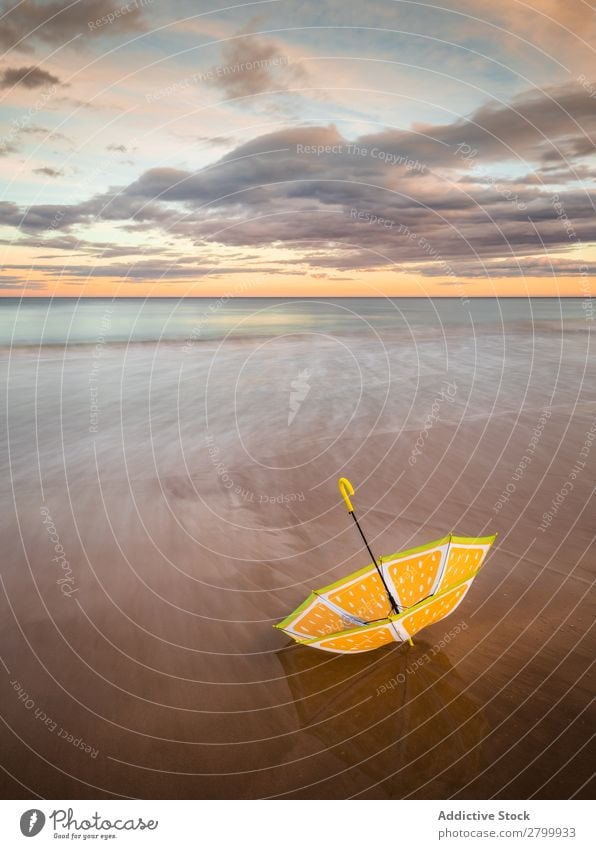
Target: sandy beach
{"x":165,"y":504}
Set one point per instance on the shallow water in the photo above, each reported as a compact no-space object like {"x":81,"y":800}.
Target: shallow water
{"x":34,"y":321}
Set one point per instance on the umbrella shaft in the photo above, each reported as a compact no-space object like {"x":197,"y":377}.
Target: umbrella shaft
{"x":374,"y":560}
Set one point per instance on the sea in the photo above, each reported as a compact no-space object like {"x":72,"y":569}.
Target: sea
{"x":58,"y":321}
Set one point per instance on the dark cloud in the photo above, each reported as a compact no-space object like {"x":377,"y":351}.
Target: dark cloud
{"x":59,"y":243}
{"x":36,"y":130}
{"x":556,"y":174}
{"x":7,"y":146}
{"x":541,"y":124}
{"x":77,"y":247}
{"x":393,"y":198}
{"x":208,"y":141}
{"x":251,"y":64}
{"x":523,"y":266}
{"x":42,"y":217}
{"x":10,"y":214}
{"x":9,"y":282}
{"x":112,"y":206}
{"x":142,"y":270}
{"x":17,"y":136}
{"x":215,"y":141}
{"x":46,"y":171}
{"x":117,"y":148}
{"x":59,"y":21}
{"x":28,"y":76}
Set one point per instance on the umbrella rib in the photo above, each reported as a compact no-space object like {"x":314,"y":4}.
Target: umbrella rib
{"x":340,"y":610}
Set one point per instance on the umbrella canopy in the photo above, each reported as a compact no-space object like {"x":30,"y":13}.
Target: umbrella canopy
{"x":391,"y":599}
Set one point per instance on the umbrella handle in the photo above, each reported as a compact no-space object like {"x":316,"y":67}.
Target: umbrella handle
{"x":346,"y":489}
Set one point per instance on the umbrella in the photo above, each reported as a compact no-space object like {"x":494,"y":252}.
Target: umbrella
{"x":391,"y":599}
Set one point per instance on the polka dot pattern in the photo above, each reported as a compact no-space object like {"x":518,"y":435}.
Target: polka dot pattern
{"x":359,"y":641}
{"x":365,"y":597}
{"x":462,"y":562}
{"x":415,"y":577}
{"x":433,"y":581}
{"x":320,"y":619}
{"x":433,"y":611}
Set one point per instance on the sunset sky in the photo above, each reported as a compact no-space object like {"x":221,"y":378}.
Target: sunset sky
{"x":332,"y":148}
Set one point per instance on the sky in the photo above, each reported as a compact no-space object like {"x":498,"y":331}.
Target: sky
{"x":386,"y":147}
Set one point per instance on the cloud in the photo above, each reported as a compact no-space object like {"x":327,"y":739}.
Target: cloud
{"x":7,"y":146}
{"x":10,"y":214}
{"x":141,"y":270}
{"x":46,"y":171}
{"x":116,"y":148}
{"x":57,"y":22}
{"x":35,"y":130}
{"x":212,"y":141}
{"x":10,"y":282}
{"x":559,"y":121}
{"x":313,"y":190}
{"x":13,"y":141}
{"x":29,"y":76}
{"x":251,"y":64}
{"x":522,"y":266}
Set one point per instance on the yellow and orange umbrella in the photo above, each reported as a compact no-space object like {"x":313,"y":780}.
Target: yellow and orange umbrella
{"x":391,"y":599}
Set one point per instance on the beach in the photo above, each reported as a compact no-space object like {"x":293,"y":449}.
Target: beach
{"x":170,"y":493}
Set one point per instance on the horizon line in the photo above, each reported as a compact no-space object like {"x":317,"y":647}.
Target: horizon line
{"x":292,"y":297}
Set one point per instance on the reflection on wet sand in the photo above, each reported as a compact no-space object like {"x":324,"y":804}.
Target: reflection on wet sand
{"x":411,"y":727}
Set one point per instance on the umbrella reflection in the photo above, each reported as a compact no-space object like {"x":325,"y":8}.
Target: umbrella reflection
{"x":403,"y":724}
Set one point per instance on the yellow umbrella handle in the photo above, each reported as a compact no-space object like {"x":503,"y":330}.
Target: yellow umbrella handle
{"x":346,"y":489}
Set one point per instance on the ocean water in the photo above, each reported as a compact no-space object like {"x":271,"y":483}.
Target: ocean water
{"x":47,"y":321}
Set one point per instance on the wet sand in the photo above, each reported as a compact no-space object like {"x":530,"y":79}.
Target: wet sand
{"x":191,"y":516}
